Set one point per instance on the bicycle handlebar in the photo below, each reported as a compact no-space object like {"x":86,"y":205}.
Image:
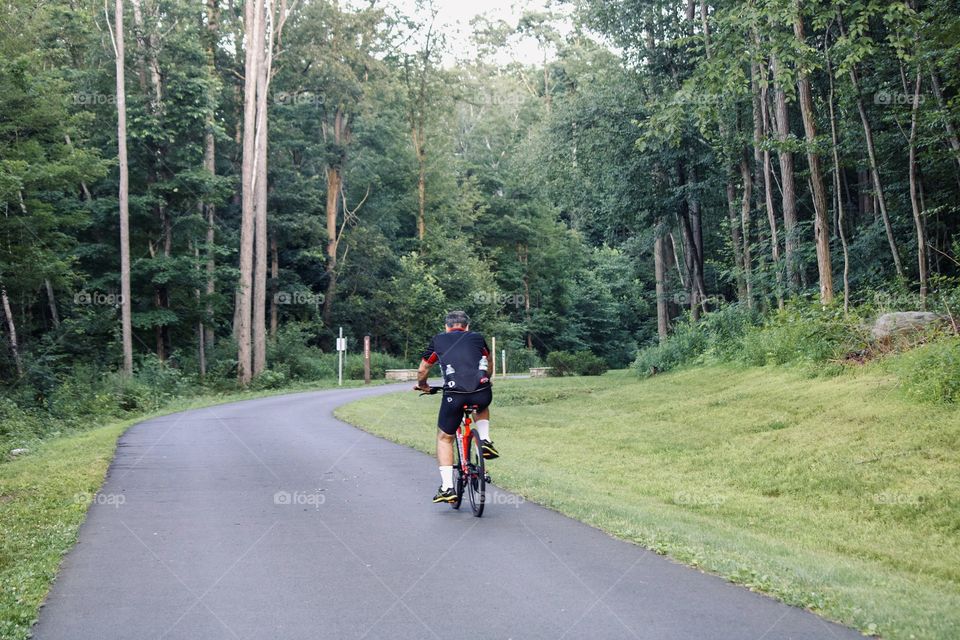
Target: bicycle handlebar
{"x":432,"y":391}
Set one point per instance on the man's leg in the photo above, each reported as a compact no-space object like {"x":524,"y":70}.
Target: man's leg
{"x":483,"y":423}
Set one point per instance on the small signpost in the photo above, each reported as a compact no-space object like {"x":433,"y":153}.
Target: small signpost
{"x":366,"y":359}
{"x":341,"y":349}
{"x":493,"y":358}
{"x":503,"y":359}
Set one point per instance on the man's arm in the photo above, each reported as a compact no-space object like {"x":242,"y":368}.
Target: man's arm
{"x":422,"y":374}
{"x":428,"y":359}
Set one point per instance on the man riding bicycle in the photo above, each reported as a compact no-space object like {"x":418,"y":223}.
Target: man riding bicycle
{"x":463,"y":357}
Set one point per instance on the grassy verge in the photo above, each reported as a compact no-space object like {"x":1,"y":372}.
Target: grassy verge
{"x":838,"y":494}
{"x":44,"y":498}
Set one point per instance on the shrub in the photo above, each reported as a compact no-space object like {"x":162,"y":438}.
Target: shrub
{"x":685,"y":344}
{"x":562,"y":363}
{"x":581,"y":363}
{"x":290,"y":352}
{"x":269,"y":379}
{"x":803,"y":334}
{"x":520,"y":360}
{"x":589,"y":364}
{"x":930,"y":373}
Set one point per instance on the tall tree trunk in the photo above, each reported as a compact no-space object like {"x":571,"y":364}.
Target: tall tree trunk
{"x":746,"y":203}
{"x":787,"y":183}
{"x":265,"y":49}
{"x":52,"y":300}
{"x":421,"y":154}
{"x":201,"y":332}
{"x":123,"y":193}
{"x":147,"y":46}
{"x":838,"y":199}
{"x":334,"y":195}
{"x":914,"y":196}
{"x":736,"y":239}
{"x":523,"y":255}
{"x":660,"y":270}
{"x":210,"y":166}
{"x":11,"y":329}
{"x":879,"y":195}
{"x":275,"y":279}
{"x":253,"y":30}
{"x":821,"y":223}
{"x":761,"y":131}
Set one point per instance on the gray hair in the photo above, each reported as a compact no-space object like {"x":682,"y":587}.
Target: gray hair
{"x":457,"y":317}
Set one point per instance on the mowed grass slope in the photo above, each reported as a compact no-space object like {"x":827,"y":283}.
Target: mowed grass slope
{"x":837,"y":494}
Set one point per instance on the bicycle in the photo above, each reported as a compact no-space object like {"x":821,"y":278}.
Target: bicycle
{"x":469,"y":471}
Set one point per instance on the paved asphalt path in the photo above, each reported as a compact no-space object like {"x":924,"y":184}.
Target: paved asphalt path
{"x":270,"y":519}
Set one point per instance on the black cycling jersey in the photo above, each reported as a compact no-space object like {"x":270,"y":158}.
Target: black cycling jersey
{"x":463,"y":358}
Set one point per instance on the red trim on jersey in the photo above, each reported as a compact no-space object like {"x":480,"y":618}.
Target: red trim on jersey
{"x":432,"y":359}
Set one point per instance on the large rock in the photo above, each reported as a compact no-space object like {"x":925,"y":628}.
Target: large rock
{"x":901,"y":322}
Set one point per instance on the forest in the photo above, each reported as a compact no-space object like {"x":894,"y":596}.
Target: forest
{"x":198,"y":195}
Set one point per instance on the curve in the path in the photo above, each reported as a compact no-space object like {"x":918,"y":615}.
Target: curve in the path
{"x":269,"y":519}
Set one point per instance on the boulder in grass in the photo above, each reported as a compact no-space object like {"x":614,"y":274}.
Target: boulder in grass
{"x":903,"y":322}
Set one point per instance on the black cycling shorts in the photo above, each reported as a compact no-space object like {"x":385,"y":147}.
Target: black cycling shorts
{"x":451,"y":407}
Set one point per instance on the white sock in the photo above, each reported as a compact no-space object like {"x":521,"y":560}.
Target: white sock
{"x":483,"y":428}
{"x":446,"y":477}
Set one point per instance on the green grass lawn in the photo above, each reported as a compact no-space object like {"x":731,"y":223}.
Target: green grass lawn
{"x":43,"y":500}
{"x":838,"y":494}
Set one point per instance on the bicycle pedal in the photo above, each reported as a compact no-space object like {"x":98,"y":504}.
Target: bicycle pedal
{"x":486,"y":477}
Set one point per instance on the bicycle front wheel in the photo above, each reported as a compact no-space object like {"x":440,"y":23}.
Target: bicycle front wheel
{"x":459,"y":481}
{"x":476,"y":483}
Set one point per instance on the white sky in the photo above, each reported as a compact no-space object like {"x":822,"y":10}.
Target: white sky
{"x":454,"y":19}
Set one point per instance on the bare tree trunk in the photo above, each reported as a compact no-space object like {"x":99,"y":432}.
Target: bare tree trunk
{"x":11,"y":329}
{"x":201,"y":333}
{"x":421,"y":153}
{"x":275,"y":278}
{"x":761,"y":130}
{"x":660,"y":270}
{"x":52,"y":300}
{"x":124,"y":192}
{"x":745,"y":205}
{"x":736,"y":239}
{"x":523,"y":255}
{"x":914,"y":198}
{"x":821,"y":223}
{"x":836,"y":188}
{"x":881,"y":199}
{"x":253,"y":29}
{"x":334,"y":194}
{"x":788,"y":185}
{"x":260,"y":211}
{"x":210,"y":165}
{"x":333,"y":207}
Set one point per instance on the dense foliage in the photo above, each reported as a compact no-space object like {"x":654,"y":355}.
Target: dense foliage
{"x":662,"y":161}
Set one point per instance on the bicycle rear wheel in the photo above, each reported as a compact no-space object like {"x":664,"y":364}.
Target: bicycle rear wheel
{"x":476,"y":482}
{"x":458,"y":480}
